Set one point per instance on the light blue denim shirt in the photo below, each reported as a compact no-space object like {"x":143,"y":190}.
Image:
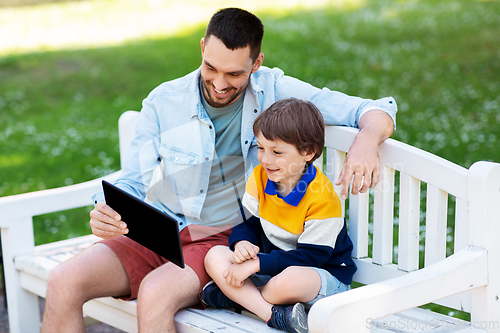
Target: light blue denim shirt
{"x":175,"y":131}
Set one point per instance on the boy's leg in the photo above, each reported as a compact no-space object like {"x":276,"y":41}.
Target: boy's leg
{"x":293,"y":285}
{"x":95,"y":272}
{"x":218,"y":259}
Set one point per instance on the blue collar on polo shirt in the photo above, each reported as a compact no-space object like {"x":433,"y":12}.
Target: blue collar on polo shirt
{"x":295,"y":196}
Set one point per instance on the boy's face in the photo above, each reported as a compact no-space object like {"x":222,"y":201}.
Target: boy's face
{"x":225,"y":73}
{"x":282,"y":161}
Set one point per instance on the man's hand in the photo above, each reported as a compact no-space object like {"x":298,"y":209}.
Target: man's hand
{"x":105,"y":222}
{"x":236,"y":274}
{"x":244,"y":250}
{"x":362,"y":164}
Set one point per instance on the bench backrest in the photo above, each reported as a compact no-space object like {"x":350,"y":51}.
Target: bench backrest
{"x":392,"y":232}
{"x":423,"y":210}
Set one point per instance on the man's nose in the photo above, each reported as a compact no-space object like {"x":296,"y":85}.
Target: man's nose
{"x":220,"y":83}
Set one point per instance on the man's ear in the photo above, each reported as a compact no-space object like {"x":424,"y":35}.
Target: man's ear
{"x":258,"y":62}
{"x":202,"y":45}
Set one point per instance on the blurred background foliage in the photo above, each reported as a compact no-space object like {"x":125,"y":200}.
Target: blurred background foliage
{"x":68,"y":69}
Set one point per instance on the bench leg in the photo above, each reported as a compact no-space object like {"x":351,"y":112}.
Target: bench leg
{"x":23,"y":307}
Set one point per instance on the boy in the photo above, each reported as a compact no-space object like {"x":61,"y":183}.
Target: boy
{"x":299,"y":251}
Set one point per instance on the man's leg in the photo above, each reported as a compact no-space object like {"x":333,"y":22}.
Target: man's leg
{"x":162,"y":293}
{"x":95,"y":272}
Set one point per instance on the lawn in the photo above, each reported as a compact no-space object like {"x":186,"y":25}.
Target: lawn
{"x":59,"y":105}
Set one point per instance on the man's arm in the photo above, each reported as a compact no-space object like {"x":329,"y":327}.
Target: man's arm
{"x":362,"y":159}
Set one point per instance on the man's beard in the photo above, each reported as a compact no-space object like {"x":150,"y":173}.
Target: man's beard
{"x":208,"y":96}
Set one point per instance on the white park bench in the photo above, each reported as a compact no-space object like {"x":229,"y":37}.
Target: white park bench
{"x":468,"y":279}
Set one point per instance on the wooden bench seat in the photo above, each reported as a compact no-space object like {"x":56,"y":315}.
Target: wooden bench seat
{"x":385,"y":225}
{"x":35,"y":269}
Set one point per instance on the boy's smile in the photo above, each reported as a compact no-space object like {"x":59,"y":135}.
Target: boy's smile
{"x":283,"y":163}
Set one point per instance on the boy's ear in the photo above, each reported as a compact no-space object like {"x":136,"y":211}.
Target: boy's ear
{"x":309,"y":156}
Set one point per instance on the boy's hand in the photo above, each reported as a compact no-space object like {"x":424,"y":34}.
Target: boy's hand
{"x":236,"y":274}
{"x":244,"y":250}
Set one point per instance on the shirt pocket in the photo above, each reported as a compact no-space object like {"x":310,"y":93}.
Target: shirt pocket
{"x":181,"y":173}
{"x":177,"y":155}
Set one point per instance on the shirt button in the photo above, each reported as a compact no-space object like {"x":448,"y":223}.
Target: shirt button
{"x":181,"y":223}
{"x":255,"y":111}
{"x":246,"y":142}
{"x":206,"y":158}
{"x":176,"y":158}
{"x":201,"y":191}
{"x":210,"y":126}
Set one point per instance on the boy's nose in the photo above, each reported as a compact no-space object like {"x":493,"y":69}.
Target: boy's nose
{"x":265,"y":159}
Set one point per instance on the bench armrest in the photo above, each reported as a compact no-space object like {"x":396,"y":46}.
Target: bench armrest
{"x":354,"y":310}
{"x":47,"y":201}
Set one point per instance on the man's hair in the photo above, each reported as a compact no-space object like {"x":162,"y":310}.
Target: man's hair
{"x":295,"y":122}
{"x":237,"y":28}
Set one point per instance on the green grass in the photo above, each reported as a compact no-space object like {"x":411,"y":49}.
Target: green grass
{"x":439,"y":59}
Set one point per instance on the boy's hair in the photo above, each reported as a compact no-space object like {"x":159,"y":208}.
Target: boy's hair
{"x":295,"y":122}
{"x":237,"y":28}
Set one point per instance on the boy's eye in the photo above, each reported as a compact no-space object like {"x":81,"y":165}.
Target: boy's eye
{"x":277,"y":152}
{"x":260,"y":148}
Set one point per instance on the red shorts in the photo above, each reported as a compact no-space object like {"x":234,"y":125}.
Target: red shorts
{"x":138,"y":261}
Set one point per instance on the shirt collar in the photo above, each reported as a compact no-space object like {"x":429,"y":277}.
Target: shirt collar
{"x":295,"y":196}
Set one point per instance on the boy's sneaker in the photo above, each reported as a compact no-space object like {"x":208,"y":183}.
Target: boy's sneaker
{"x":212,"y":296}
{"x":290,"y":318}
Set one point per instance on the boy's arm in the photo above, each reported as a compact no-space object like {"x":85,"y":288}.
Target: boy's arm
{"x":250,"y":229}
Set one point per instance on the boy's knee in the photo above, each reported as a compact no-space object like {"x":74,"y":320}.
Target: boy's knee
{"x":286,"y":281}
{"x":214,"y":256}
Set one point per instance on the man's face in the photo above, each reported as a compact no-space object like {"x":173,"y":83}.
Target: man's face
{"x":225,"y":73}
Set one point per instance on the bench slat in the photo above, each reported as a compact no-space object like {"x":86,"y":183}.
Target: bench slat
{"x":383,"y":217}
{"x":435,"y":227}
{"x":420,"y":320}
{"x":359,"y":211}
{"x":461,"y":224}
{"x":409,"y":223}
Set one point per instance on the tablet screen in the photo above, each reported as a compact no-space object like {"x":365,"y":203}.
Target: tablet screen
{"x":147,"y":225}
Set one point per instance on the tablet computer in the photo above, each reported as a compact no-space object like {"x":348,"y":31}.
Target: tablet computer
{"x":147,"y":225}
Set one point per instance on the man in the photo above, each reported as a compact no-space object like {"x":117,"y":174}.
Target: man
{"x":197,"y":130}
